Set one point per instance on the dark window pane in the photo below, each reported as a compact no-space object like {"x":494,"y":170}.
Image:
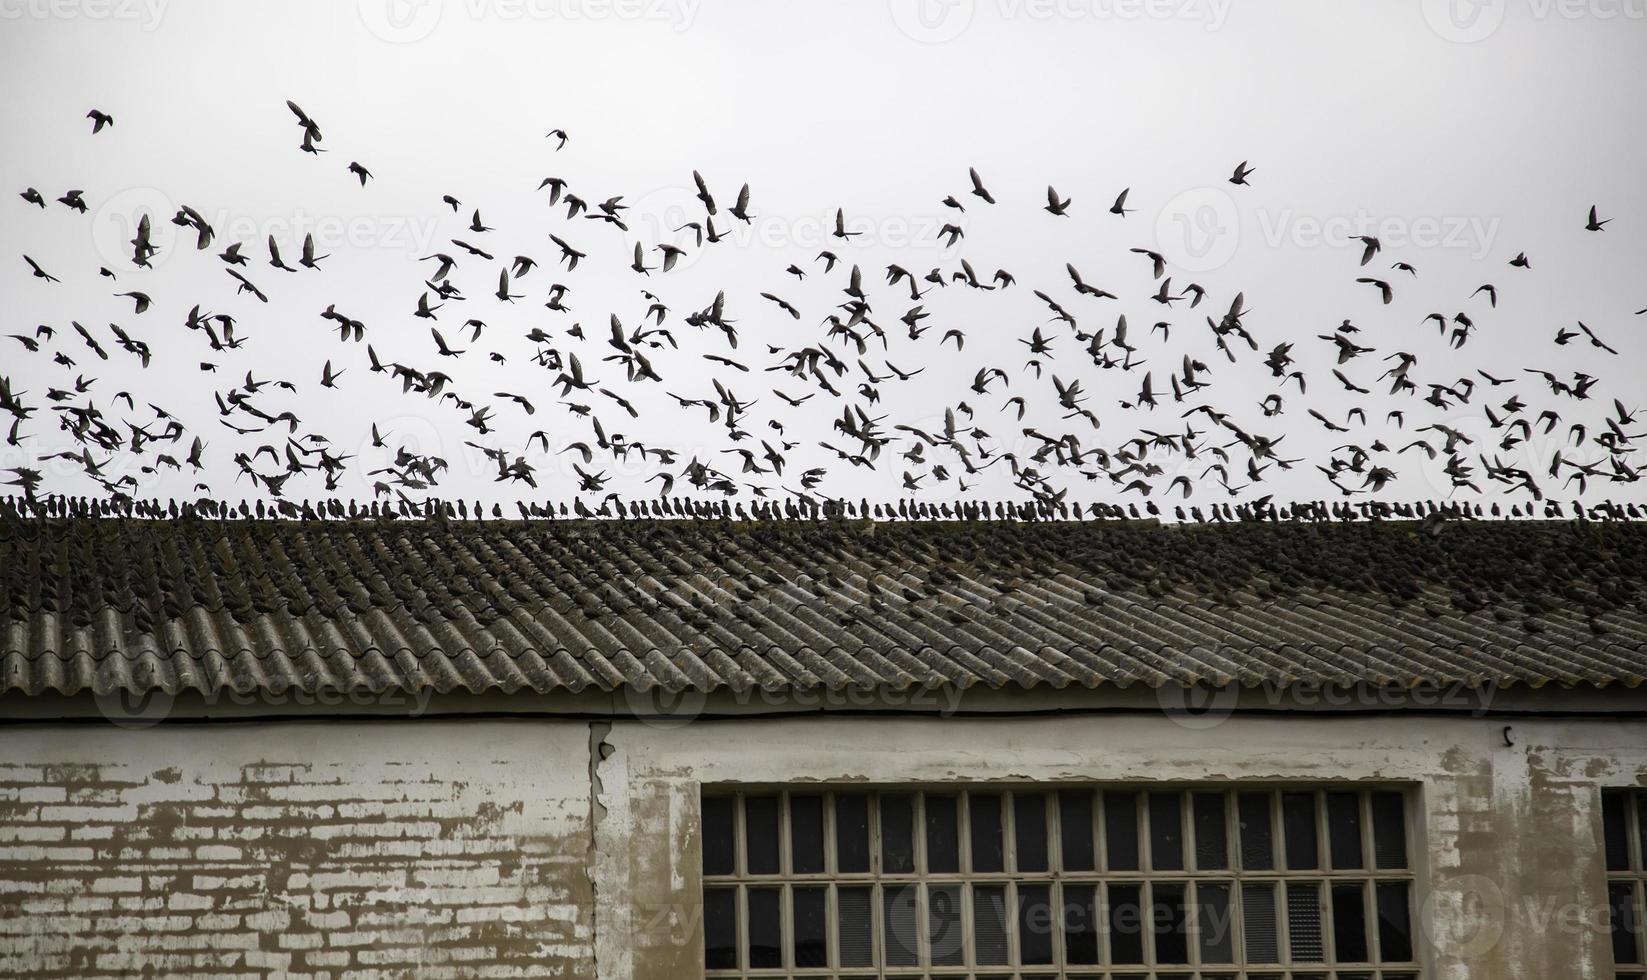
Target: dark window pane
{"x":897,"y":833}
{"x":945,"y":936}
{"x":852,"y":833}
{"x":1029,"y":828}
{"x":1166,"y":840}
{"x":903,"y":940}
{"x":1126,"y":924}
{"x":761,"y":835}
{"x":1257,"y":837}
{"x":1170,"y":923}
{"x":854,"y":927}
{"x":1121,"y":831}
{"x":1389,"y":830}
{"x":1395,"y":934}
{"x":1344,"y":830}
{"x":1075,"y":829}
{"x":1211,"y":849}
{"x":806,"y":835}
{"x":989,"y":934}
{"x":1035,"y":921}
{"x":1304,"y":922}
{"x":720,"y":928}
{"x":719,"y":837}
{"x":1626,"y":946}
{"x":1615,"y":826}
{"x":765,"y":928}
{"x":1081,"y":924}
{"x":1298,"y":822}
{"x":811,"y":927}
{"x":1215,"y":924}
{"x":943,"y":840}
{"x":988,"y":849}
{"x":1641,"y":828}
{"x":1349,"y":923}
{"x":1258,"y":923}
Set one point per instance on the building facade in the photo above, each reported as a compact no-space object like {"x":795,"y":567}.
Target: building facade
{"x":331,"y":749}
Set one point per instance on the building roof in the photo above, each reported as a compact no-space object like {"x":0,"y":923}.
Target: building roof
{"x":543,"y":606}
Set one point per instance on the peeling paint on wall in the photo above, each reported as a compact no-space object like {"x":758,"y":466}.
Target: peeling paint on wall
{"x":531,"y":848}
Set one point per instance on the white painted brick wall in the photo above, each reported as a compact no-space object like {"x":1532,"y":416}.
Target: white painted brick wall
{"x":427,"y":849}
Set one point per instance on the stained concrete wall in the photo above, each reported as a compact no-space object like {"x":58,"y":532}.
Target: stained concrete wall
{"x":447,"y":847}
{"x":1511,"y":886}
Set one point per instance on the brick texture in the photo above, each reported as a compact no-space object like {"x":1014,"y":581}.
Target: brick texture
{"x":255,"y":858}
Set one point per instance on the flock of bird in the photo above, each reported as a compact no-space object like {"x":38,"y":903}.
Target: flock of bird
{"x":1187,"y":434}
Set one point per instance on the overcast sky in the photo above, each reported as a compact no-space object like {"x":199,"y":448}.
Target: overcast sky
{"x":1458,"y":133}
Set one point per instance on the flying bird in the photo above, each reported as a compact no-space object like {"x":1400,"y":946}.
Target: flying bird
{"x":978,"y":188}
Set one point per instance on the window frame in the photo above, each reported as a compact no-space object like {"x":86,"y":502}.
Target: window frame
{"x":1055,"y":878}
{"x":1635,"y":875}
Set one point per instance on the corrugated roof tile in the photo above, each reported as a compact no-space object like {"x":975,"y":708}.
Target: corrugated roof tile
{"x":133,"y":605}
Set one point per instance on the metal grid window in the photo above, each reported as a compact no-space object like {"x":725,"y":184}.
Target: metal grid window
{"x":1624,"y":829}
{"x":1123,"y":883}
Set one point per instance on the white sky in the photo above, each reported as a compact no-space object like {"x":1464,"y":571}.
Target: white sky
{"x":1458,"y":134}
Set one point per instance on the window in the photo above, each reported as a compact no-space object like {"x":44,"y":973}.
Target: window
{"x":1624,"y":836}
{"x":1122,"y":883}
